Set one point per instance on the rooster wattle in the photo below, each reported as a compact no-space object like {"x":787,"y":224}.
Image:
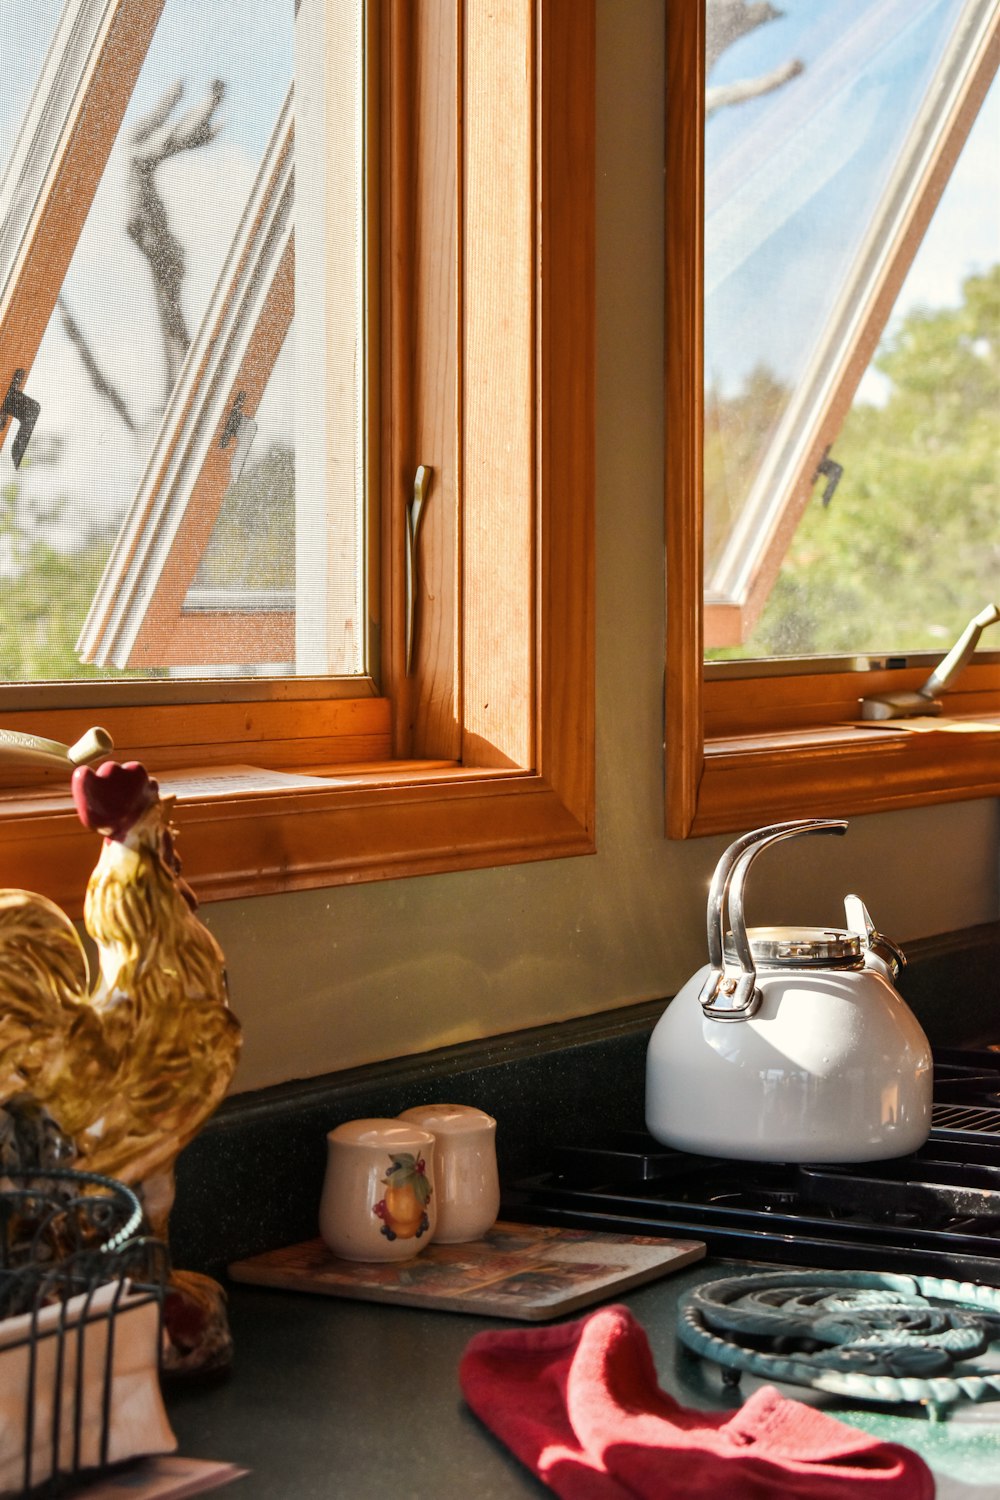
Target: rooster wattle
{"x":131,"y":1067}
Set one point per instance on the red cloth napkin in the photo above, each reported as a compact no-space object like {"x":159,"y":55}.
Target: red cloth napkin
{"x":580,"y":1405}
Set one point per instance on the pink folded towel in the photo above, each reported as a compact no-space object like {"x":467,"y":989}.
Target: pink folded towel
{"x":580,"y":1405}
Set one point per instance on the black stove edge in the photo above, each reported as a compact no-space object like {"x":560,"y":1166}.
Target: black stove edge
{"x":729,"y":1242}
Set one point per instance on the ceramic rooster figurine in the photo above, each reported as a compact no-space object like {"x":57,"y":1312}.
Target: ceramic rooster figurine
{"x":129,"y":1067}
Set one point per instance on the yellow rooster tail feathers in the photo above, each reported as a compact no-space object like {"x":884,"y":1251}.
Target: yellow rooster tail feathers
{"x":43,"y":976}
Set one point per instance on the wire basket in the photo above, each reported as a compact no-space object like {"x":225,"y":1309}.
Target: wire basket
{"x":81,"y":1312}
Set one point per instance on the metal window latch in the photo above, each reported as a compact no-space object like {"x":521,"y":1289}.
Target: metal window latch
{"x":24,"y":409}
{"x":414,"y":513}
{"x":828,"y":469}
{"x":241,"y":429}
{"x":927,"y":699}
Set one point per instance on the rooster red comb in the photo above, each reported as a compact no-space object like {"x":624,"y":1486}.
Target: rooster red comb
{"x":114,"y":797}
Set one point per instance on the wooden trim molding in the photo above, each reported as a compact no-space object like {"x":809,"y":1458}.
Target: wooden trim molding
{"x":374,"y":817}
{"x":751,"y":750}
{"x":684,"y":419}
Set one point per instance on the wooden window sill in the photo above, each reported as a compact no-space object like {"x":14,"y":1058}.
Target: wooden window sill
{"x":842,"y":769}
{"x":243,"y":840}
{"x":281,"y":796}
{"x":794,"y":746}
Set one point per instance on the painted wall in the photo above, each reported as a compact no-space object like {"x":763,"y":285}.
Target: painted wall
{"x":332,"y":979}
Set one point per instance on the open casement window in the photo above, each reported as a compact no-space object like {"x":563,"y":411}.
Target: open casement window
{"x":49,"y":176}
{"x":479,"y":137}
{"x":108,"y":256}
{"x":749,"y":741}
{"x":152,"y":608}
{"x":836,"y":173}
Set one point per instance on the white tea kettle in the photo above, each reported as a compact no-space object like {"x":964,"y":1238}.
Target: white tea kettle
{"x":791,"y":1044}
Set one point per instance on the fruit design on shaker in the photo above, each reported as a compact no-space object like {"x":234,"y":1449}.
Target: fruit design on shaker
{"x":403,"y":1209}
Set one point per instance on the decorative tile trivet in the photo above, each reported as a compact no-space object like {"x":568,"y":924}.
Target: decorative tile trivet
{"x":865,"y":1335}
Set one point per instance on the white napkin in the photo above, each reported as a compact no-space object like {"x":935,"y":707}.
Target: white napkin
{"x":138,"y":1422}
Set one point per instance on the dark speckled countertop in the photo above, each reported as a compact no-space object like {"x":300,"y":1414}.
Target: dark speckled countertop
{"x":336,"y":1400}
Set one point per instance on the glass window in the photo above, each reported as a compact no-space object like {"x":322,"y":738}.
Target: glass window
{"x":187,"y":441}
{"x":249,"y":560}
{"x":24,"y":50}
{"x":851,"y":501}
{"x":481,"y":137}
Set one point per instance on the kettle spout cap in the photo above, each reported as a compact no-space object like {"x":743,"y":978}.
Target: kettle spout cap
{"x":877,"y":945}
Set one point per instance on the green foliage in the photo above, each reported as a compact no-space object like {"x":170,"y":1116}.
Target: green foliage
{"x":253,"y":541}
{"x":43,"y":607}
{"x":909,"y":549}
{"x":45,"y":592}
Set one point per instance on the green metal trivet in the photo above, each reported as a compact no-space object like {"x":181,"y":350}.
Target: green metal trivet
{"x":866,"y":1335}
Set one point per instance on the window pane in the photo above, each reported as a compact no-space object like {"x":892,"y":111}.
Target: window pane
{"x":23,"y":48}
{"x":819,"y":123}
{"x":908,"y":550}
{"x":125,"y":451}
{"x":250,"y":558}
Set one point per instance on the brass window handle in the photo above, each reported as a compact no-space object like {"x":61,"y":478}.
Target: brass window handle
{"x":414,"y":512}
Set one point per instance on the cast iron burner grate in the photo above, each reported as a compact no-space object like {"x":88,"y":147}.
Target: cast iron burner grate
{"x":935,"y":1212}
{"x":984,"y":1120}
{"x":867,"y":1336}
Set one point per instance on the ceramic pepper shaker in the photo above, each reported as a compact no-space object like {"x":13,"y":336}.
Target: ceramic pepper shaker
{"x":468,"y":1187}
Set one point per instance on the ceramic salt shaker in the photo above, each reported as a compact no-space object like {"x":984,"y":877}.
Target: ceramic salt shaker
{"x":468,"y":1187}
{"x":379,"y":1201}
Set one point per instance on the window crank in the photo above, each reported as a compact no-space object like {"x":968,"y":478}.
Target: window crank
{"x":20,"y":748}
{"x":414,"y":512}
{"x":927,"y":699}
{"x":828,"y":469}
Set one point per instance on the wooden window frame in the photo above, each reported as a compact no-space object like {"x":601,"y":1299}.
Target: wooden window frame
{"x":505,"y":771}
{"x":743,"y":750}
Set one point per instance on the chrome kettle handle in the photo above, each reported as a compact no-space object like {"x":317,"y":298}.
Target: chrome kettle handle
{"x":725,"y":908}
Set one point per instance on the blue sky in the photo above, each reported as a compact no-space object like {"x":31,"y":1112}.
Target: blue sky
{"x":817,"y":153}
{"x":245,"y":42}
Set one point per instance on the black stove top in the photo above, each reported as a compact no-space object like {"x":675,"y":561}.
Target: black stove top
{"x":935,"y":1212}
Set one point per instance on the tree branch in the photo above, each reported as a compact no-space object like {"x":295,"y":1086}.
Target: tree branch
{"x":724,"y":94}
{"x":101,"y":383}
{"x":153,"y":141}
{"x":726,"y":22}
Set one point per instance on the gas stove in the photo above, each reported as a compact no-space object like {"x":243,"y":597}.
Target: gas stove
{"x":935,"y":1212}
